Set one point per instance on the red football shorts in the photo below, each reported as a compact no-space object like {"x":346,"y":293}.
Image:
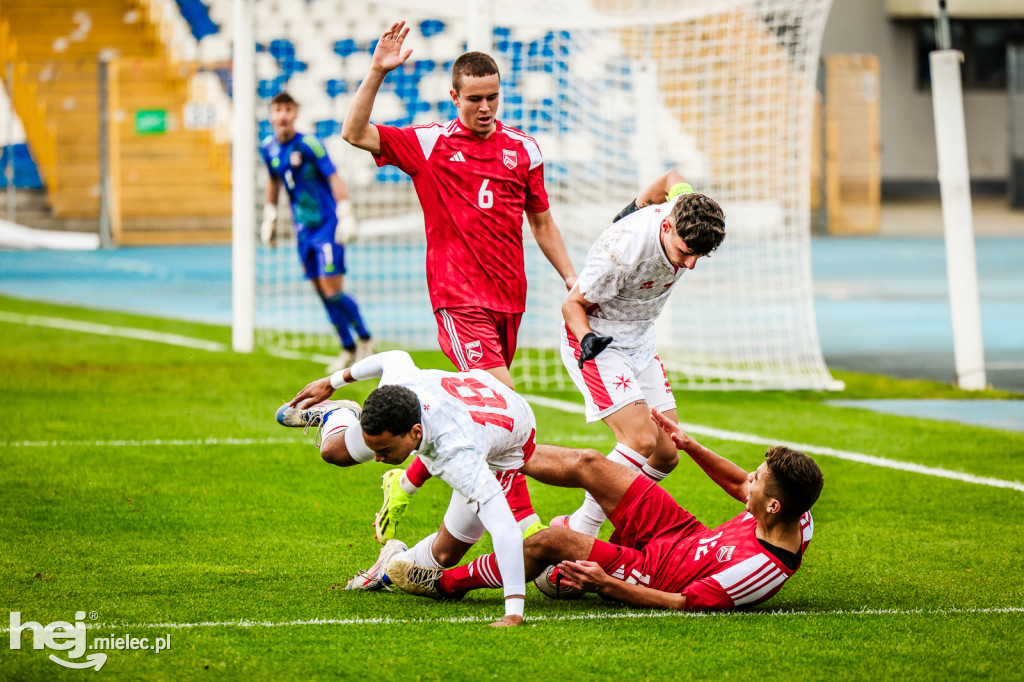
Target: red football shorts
{"x":477,"y":338}
{"x":644,"y":513}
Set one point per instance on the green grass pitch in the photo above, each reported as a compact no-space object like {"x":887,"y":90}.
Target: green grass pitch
{"x":148,"y":484}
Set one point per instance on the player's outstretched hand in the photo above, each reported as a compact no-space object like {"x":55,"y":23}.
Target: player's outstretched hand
{"x":585,"y":575}
{"x":508,"y":622}
{"x":591,"y":346}
{"x":679,"y":438}
{"x":314,"y":392}
{"x":388,"y":55}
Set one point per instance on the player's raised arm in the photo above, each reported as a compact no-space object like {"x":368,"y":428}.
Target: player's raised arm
{"x":387,"y":56}
{"x":590,"y":577}
{"x":665,"y":188}
{"x":549,"y":239}
{"x":730,"y":477}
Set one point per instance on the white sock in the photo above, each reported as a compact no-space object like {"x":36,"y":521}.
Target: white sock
{"x":406,"y":485}
{"x":653,"y":474}
{"x":338,"y":420}
{"x":422,"y":555}
{"x":589,"y":517}
{"x":627,"y":457}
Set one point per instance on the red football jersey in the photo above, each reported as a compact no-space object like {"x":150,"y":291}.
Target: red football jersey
{"x":719,"y":568}
{"x":473,"y":193}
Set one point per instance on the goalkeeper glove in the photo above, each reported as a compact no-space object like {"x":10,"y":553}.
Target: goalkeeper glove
{"x":348,"y":227}
{"x":269,"y":225}
{"x":591,"y":346}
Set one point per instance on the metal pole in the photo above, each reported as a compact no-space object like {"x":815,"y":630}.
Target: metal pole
{"x":105,"y":237}
{"x":243,"y":185}
{"x":943,"y":37}
{"x":9,"y":170}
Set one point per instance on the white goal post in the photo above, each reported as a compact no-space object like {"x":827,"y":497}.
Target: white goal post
{"x":615,"y":92}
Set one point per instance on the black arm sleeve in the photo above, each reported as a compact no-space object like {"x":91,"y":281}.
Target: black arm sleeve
{"x":626,"y":211}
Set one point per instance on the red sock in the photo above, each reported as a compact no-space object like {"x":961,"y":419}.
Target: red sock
{"x":517,"y":495}
{"x":481,"y":572}
{"x":417,"y":472}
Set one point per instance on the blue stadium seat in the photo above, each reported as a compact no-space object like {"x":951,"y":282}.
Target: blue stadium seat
{"x":282,"y":49}
{"x":198,"y":17}
{"x":336,"y":87}
{"x":431,"y":27}
{"x":344,"y":48}
{"x":266,"y":88}
{"x":325,"y":129}
{"x":264,"y":129}
{"x":446,"y":109}
{"x":26,"y":175}
{"x":390,"y":174}
{"x":290,"y":65}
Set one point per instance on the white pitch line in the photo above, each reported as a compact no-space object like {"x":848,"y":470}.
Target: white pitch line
{"x":108,"y":330}
{"x":809,"y":448}
{"x":626,"y":615}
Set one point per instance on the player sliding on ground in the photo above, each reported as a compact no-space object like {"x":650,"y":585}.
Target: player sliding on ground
{"x":608,"y":339}
{"x":659,"y":556}
{"x":471,"y":430}
{"x":475,"y":177}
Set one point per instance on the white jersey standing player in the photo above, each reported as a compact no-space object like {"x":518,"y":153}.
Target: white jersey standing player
{"x":608,"y":342}
{"x":469,"y":429}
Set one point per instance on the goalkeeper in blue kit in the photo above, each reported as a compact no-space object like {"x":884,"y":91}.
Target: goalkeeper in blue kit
{"x":324,"y":221}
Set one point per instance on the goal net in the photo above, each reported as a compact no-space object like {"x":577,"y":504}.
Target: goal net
{"x":615,"y":92}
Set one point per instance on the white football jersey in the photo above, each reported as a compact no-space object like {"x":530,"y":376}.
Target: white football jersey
{"x":628,"y":278}
{"x":473,"y":425}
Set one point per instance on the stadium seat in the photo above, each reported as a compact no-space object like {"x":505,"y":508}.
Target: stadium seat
{"x":336,"y":87}
{"x":540,"y":69}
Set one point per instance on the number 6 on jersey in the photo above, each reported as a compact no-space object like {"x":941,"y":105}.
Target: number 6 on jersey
{"x":485,"y":198}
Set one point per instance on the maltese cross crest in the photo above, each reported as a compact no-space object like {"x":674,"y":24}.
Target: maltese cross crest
{"x":622,"y":382}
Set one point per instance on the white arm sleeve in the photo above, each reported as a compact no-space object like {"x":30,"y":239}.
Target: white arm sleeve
{"x":375,"y":366}
{"x":507,"y":539}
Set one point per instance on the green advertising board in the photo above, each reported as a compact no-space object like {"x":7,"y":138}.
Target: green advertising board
{"x":150,"y":121}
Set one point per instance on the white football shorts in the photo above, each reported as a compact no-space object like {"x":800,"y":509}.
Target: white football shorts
{"x":611,"y":381}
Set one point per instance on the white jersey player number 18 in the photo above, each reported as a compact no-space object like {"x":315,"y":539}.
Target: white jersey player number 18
{"x":475,"y":393}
